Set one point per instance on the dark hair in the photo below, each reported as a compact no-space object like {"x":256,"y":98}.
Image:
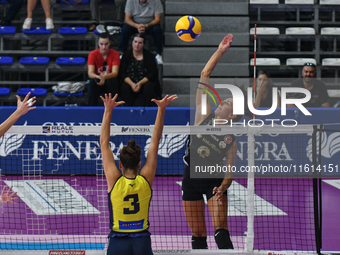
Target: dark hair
{"x":309,"y":64}
{"x":263,"y":72}
{"x":139,"y":35}
{"x":130,"y":155}
{"x":104,"y":36}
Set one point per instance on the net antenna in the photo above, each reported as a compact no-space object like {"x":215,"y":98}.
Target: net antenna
{"x":254,"y":86}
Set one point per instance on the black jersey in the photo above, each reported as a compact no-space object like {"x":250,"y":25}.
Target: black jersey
{"x":205,"y":150}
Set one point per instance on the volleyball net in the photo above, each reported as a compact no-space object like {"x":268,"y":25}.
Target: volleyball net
{"x":58,"y":175}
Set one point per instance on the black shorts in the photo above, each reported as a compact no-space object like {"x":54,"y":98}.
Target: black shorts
{"x":193,"y":189}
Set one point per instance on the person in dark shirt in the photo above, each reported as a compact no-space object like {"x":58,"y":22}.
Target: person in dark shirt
{"x":209,"y":150}
{"x":264,"y":92}
{"x":318,"y":90}
{"x":139,"y":75}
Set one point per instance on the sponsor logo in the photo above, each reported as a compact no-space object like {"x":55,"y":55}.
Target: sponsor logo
{"x":135,"y":130}
{"x":228,"y":139}
{"x":57,"y":129}
{"x":66,"y":253}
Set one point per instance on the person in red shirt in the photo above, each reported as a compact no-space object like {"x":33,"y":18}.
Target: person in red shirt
{"x":103,"y":67}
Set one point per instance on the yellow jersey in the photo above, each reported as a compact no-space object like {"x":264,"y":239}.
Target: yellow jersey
{"x":129,"y":202}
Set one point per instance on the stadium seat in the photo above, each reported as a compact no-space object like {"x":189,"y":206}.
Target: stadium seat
{"x":34,"y":60}
{"x":330,"y":31}
{"x":70,"y":61}
{"x":34,"y":91}
{"x":299,"y":61}
{"x":5,"y":91}
{"x":331,"y":62}
{"x":72,"y":30}
{"x":3,"y":2}
{"x":265,"y":31}
{"x":300,"y":31}
{"x":4,"y":60}
{"x":299,"y":1}
{"x":65,"y":94}
{"x":266,"y":62}
{"x":264,"y":1}
{"x":7,"y":30}
{"x":329,"y":2}
{"x":37,"y":30}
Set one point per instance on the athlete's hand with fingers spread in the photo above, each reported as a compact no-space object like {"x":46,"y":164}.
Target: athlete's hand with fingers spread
{"x":8,"y":197}
{"x":110,"y":102}
{"x":225,"y":44}
{"x":24,"y":106}
{"x":165,"y":101}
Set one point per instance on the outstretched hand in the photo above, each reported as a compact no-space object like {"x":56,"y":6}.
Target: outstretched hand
{"x":8,"y":197}
{"x":226,"y":42}
{"x":165,"y":101}
{"x":110,"y":102}
{"x":24,"y":106}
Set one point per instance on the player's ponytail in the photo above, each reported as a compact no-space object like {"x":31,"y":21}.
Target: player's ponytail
{"x":130,"y":155}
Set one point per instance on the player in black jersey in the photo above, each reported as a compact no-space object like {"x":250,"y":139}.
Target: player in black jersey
{"x":204,"y":150}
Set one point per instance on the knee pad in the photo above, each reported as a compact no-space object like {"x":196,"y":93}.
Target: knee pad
{"x":199,"y":242}
{"x":222,"y":239}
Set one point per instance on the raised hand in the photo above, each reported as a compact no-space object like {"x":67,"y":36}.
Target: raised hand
{"x":225,"y":44}
{"x":8,"y":197}
{"x":110,"y":102}
{"x":26,"y":105}
{"x":165,"y":101}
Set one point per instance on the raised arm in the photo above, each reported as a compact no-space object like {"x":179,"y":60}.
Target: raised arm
{"x":112,"y":173}
{"x":149,"y":169}
{"x":205,"y":74}
{"x":22,"y":108}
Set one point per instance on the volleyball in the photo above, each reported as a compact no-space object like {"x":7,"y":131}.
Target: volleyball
{"x":188,"y":28}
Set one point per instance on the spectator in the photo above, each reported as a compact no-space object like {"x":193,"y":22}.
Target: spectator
{"x":318,"y":90}
{"x":139,"y":75}
{"x":143,"y":16}
{"x":103,"y":67}
{"x":264,"y":92}
{"x":94,"y":6}
{"x":47,"y":9}
{"x":12,"y":11}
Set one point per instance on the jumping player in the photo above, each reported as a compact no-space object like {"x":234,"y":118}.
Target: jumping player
{"x":202,"y":152}
{"x":130,"y":193}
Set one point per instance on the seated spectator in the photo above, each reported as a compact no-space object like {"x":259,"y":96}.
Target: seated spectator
{"x":12,"y":11}
{"x":94,"y":6}
{"x":264,"y":92}
{"x":47,"y":9}
{"x":318,"y":90}
{"x":139,"y":75}
{"x":143,"y":16}
{"x":103,"y":67}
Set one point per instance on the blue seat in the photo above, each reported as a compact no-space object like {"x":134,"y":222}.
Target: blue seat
{"x":6,"y":60}
{"x":74,"y":1}
{"x":34,"y":61}
{"x":37,"y":30}
{"x":65,"y":94}
{"x":70,"y":61}
{"x":34,"y":91}
{"x":3,"y":2}
{"x":5,"y":91}
{"x":72,"y":30}
{"x":7,"y":30}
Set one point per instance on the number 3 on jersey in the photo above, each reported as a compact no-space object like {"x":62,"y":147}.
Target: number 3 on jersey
{"x":134,"y":203}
